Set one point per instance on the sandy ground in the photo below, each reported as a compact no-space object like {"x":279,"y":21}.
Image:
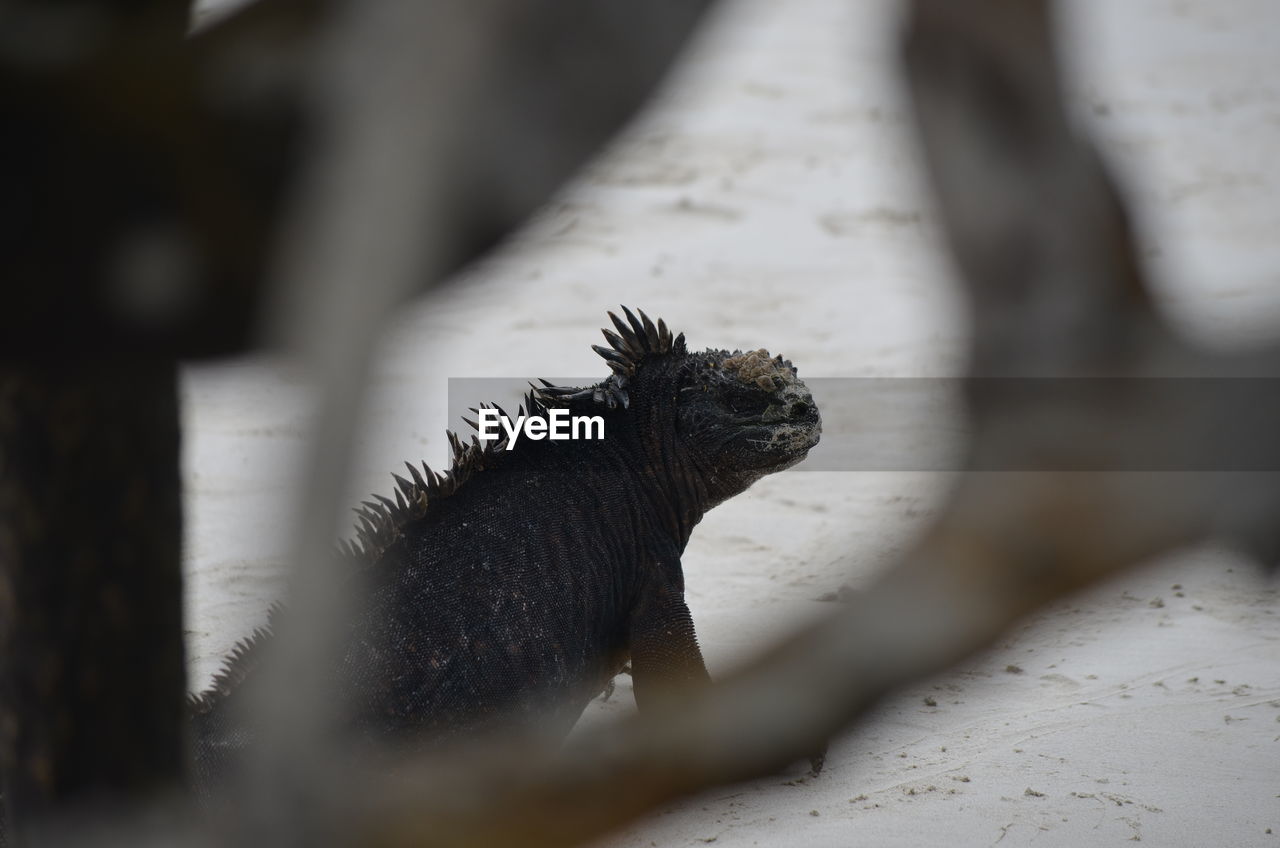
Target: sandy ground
{"x":770,"y":199}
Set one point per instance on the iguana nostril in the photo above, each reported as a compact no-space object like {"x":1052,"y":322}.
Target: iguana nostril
{"x":800,"y":410}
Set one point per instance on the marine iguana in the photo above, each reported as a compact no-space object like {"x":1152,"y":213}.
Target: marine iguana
{"x":513,"y":587}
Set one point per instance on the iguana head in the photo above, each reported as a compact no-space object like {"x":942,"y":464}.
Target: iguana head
{"x":748,"y":413}
{"x":730,"y":418}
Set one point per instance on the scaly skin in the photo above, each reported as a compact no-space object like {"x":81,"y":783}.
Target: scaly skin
{"x":509,"y":591}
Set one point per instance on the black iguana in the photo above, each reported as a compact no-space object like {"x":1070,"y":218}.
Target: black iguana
{"x":513,"y":587}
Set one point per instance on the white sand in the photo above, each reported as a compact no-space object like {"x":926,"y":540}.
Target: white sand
{"x":771,"y":200}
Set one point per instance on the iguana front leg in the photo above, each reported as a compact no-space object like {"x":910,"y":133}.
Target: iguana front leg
{"x":665,"y":657}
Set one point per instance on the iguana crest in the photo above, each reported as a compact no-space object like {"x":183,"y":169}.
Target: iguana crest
{"x":382,"y":519}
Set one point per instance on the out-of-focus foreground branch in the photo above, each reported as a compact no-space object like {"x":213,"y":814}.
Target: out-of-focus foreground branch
{"x":1043,"y":244}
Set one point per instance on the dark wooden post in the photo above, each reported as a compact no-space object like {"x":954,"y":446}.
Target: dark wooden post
{"x":92,"y":675}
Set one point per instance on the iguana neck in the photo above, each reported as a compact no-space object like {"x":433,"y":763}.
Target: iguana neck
{"x":675,"y":485}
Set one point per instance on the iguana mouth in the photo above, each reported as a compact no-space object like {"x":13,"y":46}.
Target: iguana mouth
{"x":783,"y":445}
